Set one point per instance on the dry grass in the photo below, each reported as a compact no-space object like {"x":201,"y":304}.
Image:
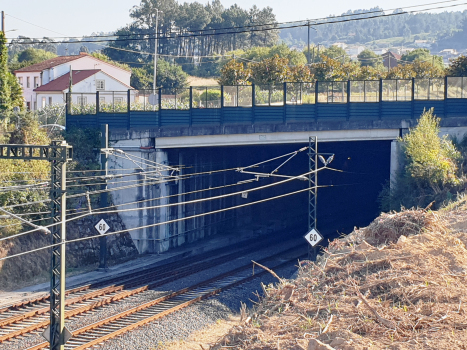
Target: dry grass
{"x":406,"y":290}
{"x":197,"y":81}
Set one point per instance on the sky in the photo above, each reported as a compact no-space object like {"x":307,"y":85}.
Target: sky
{"x":55,"y":18}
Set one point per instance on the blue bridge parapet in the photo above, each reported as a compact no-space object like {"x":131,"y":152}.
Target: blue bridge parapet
{"x":375,"y":100}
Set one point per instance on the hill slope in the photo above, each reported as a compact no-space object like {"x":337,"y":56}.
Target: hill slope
{"x":397,"y":284}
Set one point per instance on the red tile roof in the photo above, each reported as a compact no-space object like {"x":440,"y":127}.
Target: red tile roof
{"x":63,"y":82}
{"x":52,"y":62}
{"x":395,"y":55}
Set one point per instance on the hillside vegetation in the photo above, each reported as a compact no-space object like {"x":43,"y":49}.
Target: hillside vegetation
{"x":397,"y":284}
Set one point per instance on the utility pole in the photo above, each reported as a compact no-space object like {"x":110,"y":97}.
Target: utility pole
{"x":156,"y":43}
{"x":104,"y":173}
{"x":58,"y":154}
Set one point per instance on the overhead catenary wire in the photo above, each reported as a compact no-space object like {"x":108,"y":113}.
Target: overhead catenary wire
{"x":157,"y":224}
{"x":165,"y":205}
{"x":38,"y":228}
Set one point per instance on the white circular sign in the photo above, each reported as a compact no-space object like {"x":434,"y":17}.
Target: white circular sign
{"x":153,"y":99}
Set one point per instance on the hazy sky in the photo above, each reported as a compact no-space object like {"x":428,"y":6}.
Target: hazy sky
{"x":76,"y":18}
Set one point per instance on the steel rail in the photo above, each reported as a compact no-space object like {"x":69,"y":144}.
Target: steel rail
{"x":72,"y":313}
{"x":203,"y":292}
{"x":15,"y":321}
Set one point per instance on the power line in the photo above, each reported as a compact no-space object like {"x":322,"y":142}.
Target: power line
{"x":39,"y":228}
{"x":145,"y":208}
{"x":256,"y":30}
{"x":157,"y":224}
{"x":263,"y":24}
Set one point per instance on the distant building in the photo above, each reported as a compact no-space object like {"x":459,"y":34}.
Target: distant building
{"x":340,"y":45}
{"x":448,"y":54}
{"x":353,"y":51}
{"x":422,"y":43}
{"x":391,"y":59}
{"x":380,"y":51}
{"x":42,"y":83}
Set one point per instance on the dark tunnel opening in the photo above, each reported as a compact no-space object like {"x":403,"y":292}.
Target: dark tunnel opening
{"x":347,"y":195}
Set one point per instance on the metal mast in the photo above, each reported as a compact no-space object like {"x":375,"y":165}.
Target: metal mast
{"x":58,"y":154}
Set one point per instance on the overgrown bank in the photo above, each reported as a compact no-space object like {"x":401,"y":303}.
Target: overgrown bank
{"x":397,"y":284}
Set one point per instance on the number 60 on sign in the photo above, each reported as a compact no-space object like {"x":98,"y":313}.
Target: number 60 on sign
{"x":313,"y":237}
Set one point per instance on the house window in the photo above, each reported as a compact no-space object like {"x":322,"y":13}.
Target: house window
{"x":43,"y":102}
{"x":101,"y":99}
{"x":82,"y":100}
{"x":100,"y":84}
{"x":50,"y":101}
{"x":118,"y":100}
{"x":36,"y":83}
{"x":28,"y":106}
{"x":28,"y":84}
{"x":20,"y":81}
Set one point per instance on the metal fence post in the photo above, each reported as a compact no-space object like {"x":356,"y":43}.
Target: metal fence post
{"x":222,"y":106}
{"x":316,"y":100}
{"x":159,"y":102}
{"x":191,"y":106}
{"x":445,"y":96}
{"x":253,"y":103}
{"x":284,"y":100}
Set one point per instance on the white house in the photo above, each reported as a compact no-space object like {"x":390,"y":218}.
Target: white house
{"x":48,"y":71}
{"x":85,"y":83}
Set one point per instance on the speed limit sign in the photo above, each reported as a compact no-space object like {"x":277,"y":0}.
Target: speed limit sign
{"x":313,"y":237}
{"x":102,"y":227}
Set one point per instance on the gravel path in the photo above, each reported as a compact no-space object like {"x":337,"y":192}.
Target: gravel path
{"x":178,"y":325}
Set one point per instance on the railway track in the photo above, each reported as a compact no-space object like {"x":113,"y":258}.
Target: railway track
{"x":29,"y":317}
{"x":116,"y":325}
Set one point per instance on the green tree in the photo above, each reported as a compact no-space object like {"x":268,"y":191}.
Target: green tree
{"x":10,"y":89}
{"x":235,"y":73}
{"x":169,"y":76}
{"x":423,"y":55}
{"x":29,"y":57}
{"x":330,"y":69}
{"x":21,"y":172}
{"x":335,"y":52}
{"x":458,"y":66}
{"x":141,"y":79}
{"x":369,"y":58}
{"x":401,"y":72}
{"x":300,"y":73}
{"x":33,"y":56}
{"x":431,"y":159}
{"x":270,"y":71}
{"x":430,"y":171}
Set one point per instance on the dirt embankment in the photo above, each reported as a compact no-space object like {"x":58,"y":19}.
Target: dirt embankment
{"x":399,"y":283}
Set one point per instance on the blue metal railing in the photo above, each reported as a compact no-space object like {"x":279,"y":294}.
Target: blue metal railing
{"x":287,"y":102}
